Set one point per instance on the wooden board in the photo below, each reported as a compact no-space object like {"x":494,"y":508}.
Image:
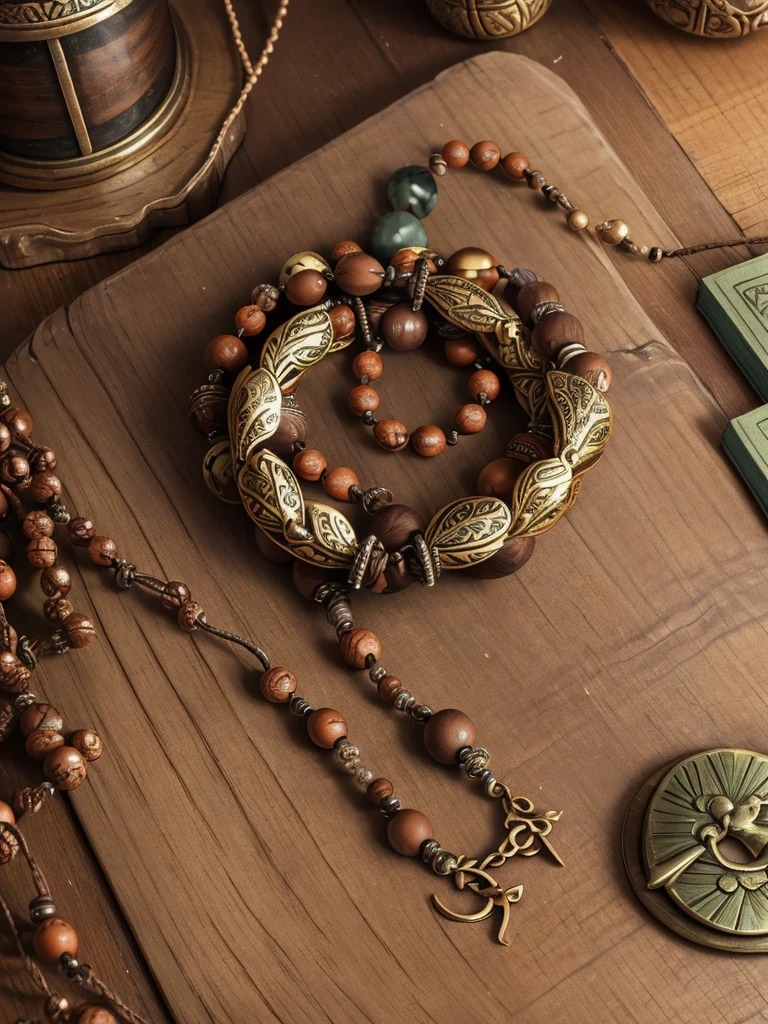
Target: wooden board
{"x":256,"y":886}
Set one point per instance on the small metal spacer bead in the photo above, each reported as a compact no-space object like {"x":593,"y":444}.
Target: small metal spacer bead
{"x":125,"y":573}
{"x":389,"y":805}
{"x":58,"y":512}
{"x":535,"y":179}
{"x":369,"y":420}
{"x":420,"y":712}
{"x":300,"y":706}
{"x":41,"y":908}
{"x":24,"y":700}
{"x":564,"y":203}
{"x":377,"y":673}
{"x":25,"y":653}
{"x":429,"y":849}
{"x":437,"y":164}
{"x":376,"y":498}
{"x":656,"y":254}
{"x":405,"y":700}
{"x":567,"y":352}
{"x":216,"y":376}
{"x":444,"y":863}
{"x":452,"y":437}
{"x":632,"y":248}
{"x":543,"y":308}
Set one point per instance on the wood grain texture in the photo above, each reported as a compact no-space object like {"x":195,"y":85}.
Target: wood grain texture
{"x":256,"y":886}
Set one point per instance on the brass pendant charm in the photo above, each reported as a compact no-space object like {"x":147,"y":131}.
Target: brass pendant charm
{"x":676,"y":838}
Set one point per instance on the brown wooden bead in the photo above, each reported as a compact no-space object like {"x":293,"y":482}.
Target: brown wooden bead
{"x":292,"y":427}
{"x":18,"y":421}
{"x":338,"y":481}
{"x":484,"y":382}
{"x":404,"y":260}
{"x":278,"y":685}
{"x":553,"y":331}
{"x":9,"y":847}
{"x":5,"y":507}
{"x":499,"y":477}
{"x":395,"y":524}
{"x":265,"y":296}
{"x":57,"y":609}
{"x":307,"y":578}
{"x":388,"y":688}
{"x":88,"y":743}
{"x":456,"y":153}
{"x":445,"y":734}
{"x":251,"y":320}
{"x":174,"y":594}
{"x":305,"y":288}
{"x":391,"y":435}
{"x":80,"y":630}
{"x":461,"y":351}
{"x":54,"y":937}
{"x":529,"y":447}
{"x":42,"y":552}
{"x":342,"y":320}
{"x":44,"y":487}
{"x":91,"y":1013}
{"x":428,"y":441}
{"x":225,"y":352}
{"x":309,"y":464}
{"x":403,"y":328}
{"x":531,"y":294}
{"x":325,"y":726}
{"x":363,"y":399}
{"x":514,"y":166}
{"x":513,"y":556}
{"x":102,"y":550}
{"x":358,"y":645}
{"x":485,"y":155}
{"x":65,"y":768}
{"x":470,"y":419}
{"x":7,"y":581}
{"x":343,"y":249}
{"x":15,"y":468}
{"x":271,"y":551}
{"x":398,"y":575}
{"x":55,"y":582}
{"x":37,"y":524}
{"x":592,"y":367}
{"x":14,"y":675}
{"x":6,"y":813}
{"x":368,"y":364}
{"x":357,"y":273}
{"x":43,"y":459}
{"x":5,"y":438}
{"x":41,"y":742}
{"x":80,"y":531}
{"x":474,"y":265}
{"x":188,"y":615}
{"x":39,"y":716}
{"x":407,"y":831}
{"x":378,"y":790}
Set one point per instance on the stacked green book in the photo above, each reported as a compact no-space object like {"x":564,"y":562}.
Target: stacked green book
{"x":745,"y":442}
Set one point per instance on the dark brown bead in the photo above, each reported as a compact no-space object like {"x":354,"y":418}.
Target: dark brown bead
{"x":15,"y":468}
{"x":278,"y":685}
{"x":391,"y":435}
{"x":174,"y":595}
{"x":484,"y":382}
{"x":39,"y":716}
{"x":18,"y":421}
{"x":57,"y":609}
{"x":7,"y":581}
{"x":378,"y":790}
{"x":307,"y":578}
{"x":44,"y":487}
{"x":43,"y":459}
{"x":485,"y":155}
{"x":407,"y":831}
{"x":54,"y":937}
{"x":5,"y":507}
{"x":398,"y":575}
{"x":461,"y":351}
{"x":531,"y":294}
{"x":593,"y":368}
{"x":265,"y":296}
{"x":446,"y":732}
{"x":207,"y":408}
{"x":368,"y":364}
{"x":343,"y":249}
{"x":428,"y":441}
{"x":358,"y":645}
{"x":456,"y":153}
{"x":508,"y":560}
{"x":102,"y":550}
{"x":474,"y":265}
{"x":470,"y":419}
{"x":37,"y":524}
{"x":225,"y":352}
{"x":553,"y":331}
{"x":309,"y":464}
{"x":251,"y":320}
{"x":293,"y":427}
{"x":403,"y":328}
{"x":514,"y":166}
{"x":325,"y":726}
{"x":14,"y":675}
{"x":80,"y":531}
{"x":338,"y":481}
{"x":395,"y":524}
{"x":41,"y":742}
{"x":529,"y":447}
{"x":515,"y":281}
{"x":363,"y":399}
{"x":65,"y":768}
{"x":342,"y":320}
{"x":88,"y":743}
{"x":80,"y":630}
{"x":357,"y":273}
{"x":388,"y":688}
{"x":189,"y":614}
{"x":270,"y":550}
{"x":9,"y":847}
{"x":305,"y":288}
{"x":42,"y":552}
{"x":55,"y":582}
{"x":91,"y":1013}
{"x":499,"y":477}
{"x":5,"y":438}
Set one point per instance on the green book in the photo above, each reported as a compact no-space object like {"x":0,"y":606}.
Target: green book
{"x":735,"y":304}
{"x":745,"y":442}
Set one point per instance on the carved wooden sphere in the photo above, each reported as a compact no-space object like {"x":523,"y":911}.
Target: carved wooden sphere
{"x":487,"y":19}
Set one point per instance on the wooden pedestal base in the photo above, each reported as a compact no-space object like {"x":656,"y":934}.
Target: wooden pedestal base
{"x":173,"y":185}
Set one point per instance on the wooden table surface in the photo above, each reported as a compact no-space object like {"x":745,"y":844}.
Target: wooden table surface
{"x":684,"y":115}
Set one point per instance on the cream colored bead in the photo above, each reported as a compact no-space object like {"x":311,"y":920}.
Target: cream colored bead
{"x":612,"y":232}
{"x":578,"y":220}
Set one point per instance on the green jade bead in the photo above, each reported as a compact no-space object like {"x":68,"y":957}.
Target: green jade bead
{"x":412,"y":189}
{"x":396,"y":230}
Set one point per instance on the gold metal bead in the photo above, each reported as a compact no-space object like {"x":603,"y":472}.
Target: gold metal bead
{"x":578,"y":220}
{"x":437,"y":164}
{"x":306,"y":260}
{"x":612,"y":232}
